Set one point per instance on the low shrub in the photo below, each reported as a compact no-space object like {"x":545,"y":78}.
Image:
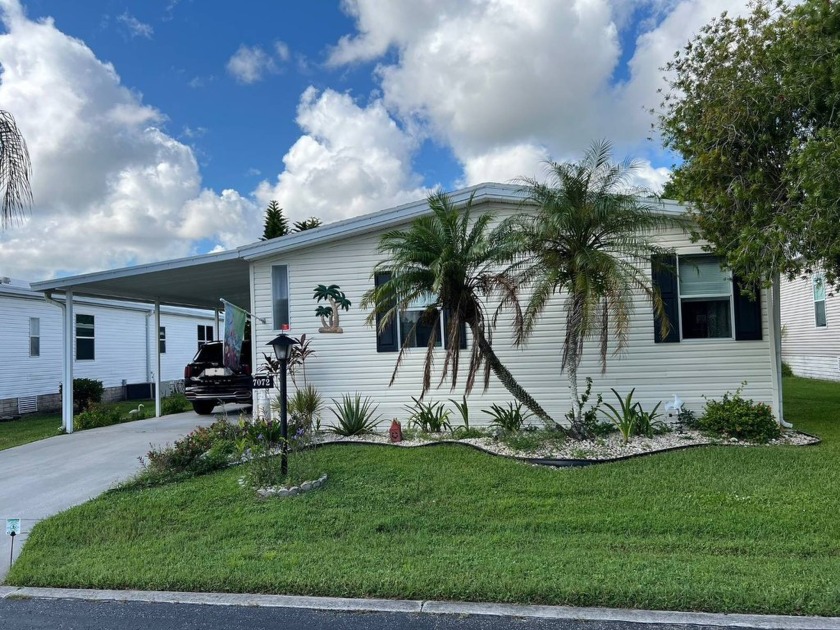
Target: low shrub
{"x":97,"y":415}
{"x":687,"y":419}
{"x":590,"y":424}
{"x":735,"y":416}
{"x":786,"y":371}
{"x":174,"y":403}
{"x":355,"y":415}
{"x":530,"y":441}
{"x":508,"y":419}
{"x":429,"y":417}
{"x":87,"y":391}
{"x":304,"y":408}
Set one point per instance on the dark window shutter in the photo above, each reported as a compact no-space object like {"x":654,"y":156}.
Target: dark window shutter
{"x":747,"y":313}
{"x":463,"y":334}
{"x":664,"y":279}
{"x":386,"y":339}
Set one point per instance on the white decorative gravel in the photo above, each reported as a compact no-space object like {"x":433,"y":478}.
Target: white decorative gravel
{"x":600,"y":449}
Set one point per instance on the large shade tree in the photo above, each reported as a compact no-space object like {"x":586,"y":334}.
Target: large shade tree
{"x":15,"y":172}
{"x":751,"y":107}
{"x":588,"y":242}
{"x":452,"y":263}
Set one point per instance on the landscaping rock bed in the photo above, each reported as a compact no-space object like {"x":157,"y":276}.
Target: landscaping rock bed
{"x":605,"y":449}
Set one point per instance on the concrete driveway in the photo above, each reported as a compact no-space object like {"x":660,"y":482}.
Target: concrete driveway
{"x":44,"y":478}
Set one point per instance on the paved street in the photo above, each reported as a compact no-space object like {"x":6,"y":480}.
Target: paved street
{"x":61,"y":614}
{"x":45,"y":477}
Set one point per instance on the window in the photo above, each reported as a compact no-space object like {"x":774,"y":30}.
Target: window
{"x":411,"y":325}
{"x":280,"y":296}
{"x":162,"y":340}
{"x":705,"y":291}
{"x":205,"y":334}
{"x":416,"y":324}
{"x":819,"y":300}
{"x":703,"y":301}
{"x":84,"y":338}
{"x":34,"y":337}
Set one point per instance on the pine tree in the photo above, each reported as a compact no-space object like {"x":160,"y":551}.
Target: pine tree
{"x":307,"y":224}
{"x":275,"y":223}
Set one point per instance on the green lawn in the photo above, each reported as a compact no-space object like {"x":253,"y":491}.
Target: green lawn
{"x":717,"y":528}
{"x":39,"y":426}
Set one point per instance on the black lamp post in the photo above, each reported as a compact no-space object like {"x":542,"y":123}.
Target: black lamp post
{"x":282,"y":348}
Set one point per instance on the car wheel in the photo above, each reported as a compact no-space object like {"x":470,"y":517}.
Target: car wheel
{"x":203,"y":407}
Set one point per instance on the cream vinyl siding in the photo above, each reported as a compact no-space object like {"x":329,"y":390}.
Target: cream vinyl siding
{"x":810,"y":350}
{"x":349,"y":362}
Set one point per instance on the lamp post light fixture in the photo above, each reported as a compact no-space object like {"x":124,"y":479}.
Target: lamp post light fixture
{"x":282,"y":345}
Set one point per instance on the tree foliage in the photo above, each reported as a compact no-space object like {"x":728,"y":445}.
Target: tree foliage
{"x":454,"y":261}
{"x":276,"y":224}
{"x":590,"y":242}
{"x":752,"y":108}
{"x":307,"y":224}
{"x":15,"y":172}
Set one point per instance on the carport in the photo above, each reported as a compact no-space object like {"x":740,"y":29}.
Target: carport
{"x":195,"y":282}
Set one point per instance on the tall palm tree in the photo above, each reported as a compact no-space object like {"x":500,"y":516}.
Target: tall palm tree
{"x":589,"y":240}
{"x":454,"y":262}
{"x":15,"y":171}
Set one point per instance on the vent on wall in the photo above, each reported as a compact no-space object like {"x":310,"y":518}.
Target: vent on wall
{"x":27,"y":404}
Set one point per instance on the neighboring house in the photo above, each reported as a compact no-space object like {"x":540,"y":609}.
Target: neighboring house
{"x":113,"y":344}
{"x":719,"y":339}
{"x":811,"y":328}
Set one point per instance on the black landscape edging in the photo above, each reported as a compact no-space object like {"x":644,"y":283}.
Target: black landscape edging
{"x":556,"y":463}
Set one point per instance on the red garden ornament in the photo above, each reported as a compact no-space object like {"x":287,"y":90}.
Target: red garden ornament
{"x":396,"y":431}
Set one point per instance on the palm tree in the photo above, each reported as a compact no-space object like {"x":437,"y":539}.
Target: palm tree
{"x":336,"y":299}
{"x":15,"y":171}
{"x":589,"y":240}
{"x":454,"y":263}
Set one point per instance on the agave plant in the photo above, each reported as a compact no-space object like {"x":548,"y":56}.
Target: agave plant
{"x":355,"y":415}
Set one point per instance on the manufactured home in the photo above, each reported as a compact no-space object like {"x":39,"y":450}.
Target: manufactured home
{"x":112,"y":342}
{"x":811,"y":327}
{"x":719,"y":338}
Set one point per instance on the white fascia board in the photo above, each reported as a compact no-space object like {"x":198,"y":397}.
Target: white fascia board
{"x":137,"y":270}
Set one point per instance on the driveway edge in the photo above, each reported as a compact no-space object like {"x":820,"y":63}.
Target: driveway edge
{"x":765,"y":622}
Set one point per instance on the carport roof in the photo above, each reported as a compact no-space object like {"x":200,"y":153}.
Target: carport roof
{"x":197,"y":281}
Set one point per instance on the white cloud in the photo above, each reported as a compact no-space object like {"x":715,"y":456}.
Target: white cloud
{"x":110,"y":187}
{"x":505,"y":164}
{"x":350,"y":160}
{"x":135,"y":27}
{"x":499,"y":81}
{"x":250,"y":64}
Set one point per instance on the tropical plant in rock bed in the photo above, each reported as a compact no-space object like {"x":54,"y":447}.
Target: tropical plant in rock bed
{"x":631,"y":419}
{"x":429,"y":417}
{"x":736,"y":417}
{"x":355,"y":415}
{"x":588,"y":240}
{"x":509,"y":419}
{"x":453,"y":262}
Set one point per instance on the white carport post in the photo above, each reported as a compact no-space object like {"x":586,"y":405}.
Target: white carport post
{"x":156,"y":337}
{"x":216,"y":324}
{"x":67,"y":367}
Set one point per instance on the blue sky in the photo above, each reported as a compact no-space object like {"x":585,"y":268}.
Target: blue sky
{"x":161,"y":128}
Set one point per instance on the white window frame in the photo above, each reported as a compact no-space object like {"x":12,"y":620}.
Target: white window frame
{"x":421,"y":305}
{"x":819,"y":278}
{"x":203,"y":328}
{"x":35,"y":335}
{"x":699,"y":298}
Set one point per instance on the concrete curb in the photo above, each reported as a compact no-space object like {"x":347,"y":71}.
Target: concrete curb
{"x":766,"y":622}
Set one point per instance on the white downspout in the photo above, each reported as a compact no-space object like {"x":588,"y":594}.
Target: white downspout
{"x":157,"y":359}
{"x":67,"y":357}
{"x":776,"y":338}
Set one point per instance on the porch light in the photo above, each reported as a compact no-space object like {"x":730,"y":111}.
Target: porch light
{"x":282,"y":345}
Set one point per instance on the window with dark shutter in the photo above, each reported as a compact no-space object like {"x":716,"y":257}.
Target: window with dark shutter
{"x":664,"y":280}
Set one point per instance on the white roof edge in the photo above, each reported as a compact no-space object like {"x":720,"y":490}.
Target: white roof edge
{"x":125,"y":272}
{"x":485,"y":192}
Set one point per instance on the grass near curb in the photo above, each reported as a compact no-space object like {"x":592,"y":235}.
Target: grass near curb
{"x":39,"y":426}
{"x":725,"y":529}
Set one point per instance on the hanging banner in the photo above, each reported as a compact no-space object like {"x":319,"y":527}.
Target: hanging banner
{"x":235,"y":319}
